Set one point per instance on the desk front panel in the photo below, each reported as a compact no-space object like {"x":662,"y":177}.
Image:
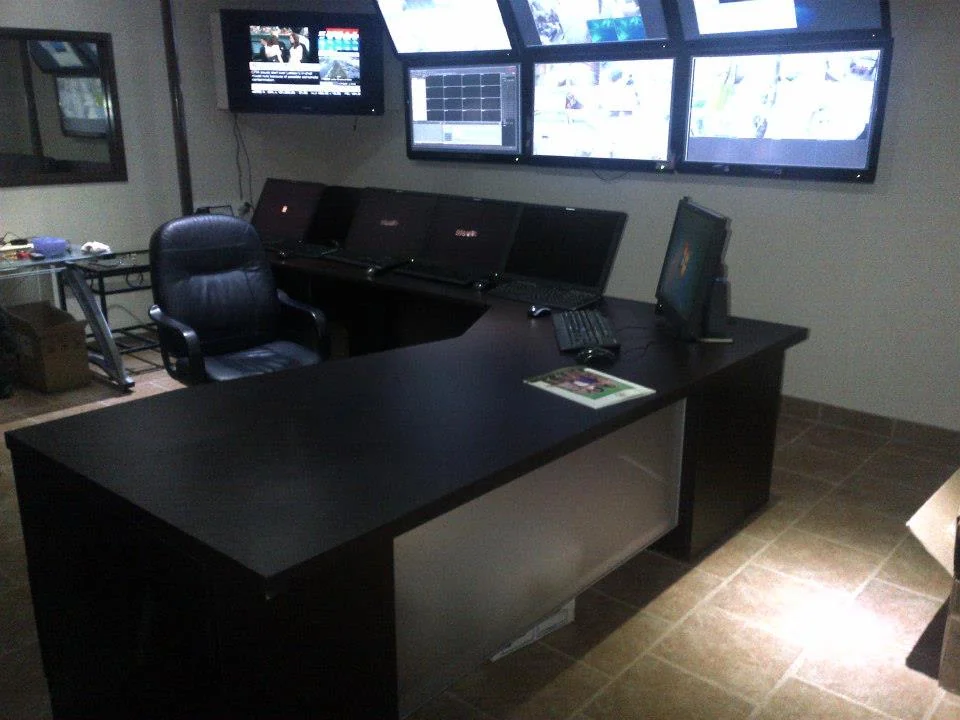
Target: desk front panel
{"x":476,"y":578}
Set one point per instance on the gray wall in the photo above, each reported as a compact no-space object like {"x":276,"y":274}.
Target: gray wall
{"x":873,"y":271}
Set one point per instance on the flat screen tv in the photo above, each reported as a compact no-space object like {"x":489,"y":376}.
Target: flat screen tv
{"x":815,"y":114}
{"x":603,"y":113}
{"x":726,"y":18}
{"x":545,"y":23}
{"x":418,"y":27}
{"x":691,"y":266}
{"x":303,"y":62}
{"x":463,"y":111}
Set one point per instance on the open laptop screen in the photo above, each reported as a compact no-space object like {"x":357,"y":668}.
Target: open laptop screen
{"x":470,"y":233}
{"x":567,"y":245}
{"x":390,"y":223}
{"x":286,"y":209}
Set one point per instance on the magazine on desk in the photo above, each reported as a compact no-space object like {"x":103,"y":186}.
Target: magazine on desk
{"x":587,"y":386}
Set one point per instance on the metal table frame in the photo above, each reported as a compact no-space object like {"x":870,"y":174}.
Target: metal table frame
{"x":105,"y":355}
{"x":96,"y":271}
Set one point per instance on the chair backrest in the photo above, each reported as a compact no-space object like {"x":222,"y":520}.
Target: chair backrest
{"x":212,"y":273}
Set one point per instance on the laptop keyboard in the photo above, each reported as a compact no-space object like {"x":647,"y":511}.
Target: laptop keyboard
{"x":552,"y":296}
{"x":577,"y":329}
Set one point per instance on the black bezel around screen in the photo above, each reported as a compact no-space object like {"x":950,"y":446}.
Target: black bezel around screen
{"x":468,"y":135}
{"x":684,"y":314}
{"x":714,"y":19}
{"x":236,"y":27}
{"x":820,"y":111}
{"x":429,"y":30}
{"x":550,"y":138}
{"x":575,"y":23}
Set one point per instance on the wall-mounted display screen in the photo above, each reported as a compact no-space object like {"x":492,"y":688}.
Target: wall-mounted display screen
{"x":703,"y":18}
{"x":302,"y":62}
{"x":812,"y":110}
{"x":443,"y":26}
{"x":576,"y":22}
{"x":464,"y":110}
{"x":603,"y":110}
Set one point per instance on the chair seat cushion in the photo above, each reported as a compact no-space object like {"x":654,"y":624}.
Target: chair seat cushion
{"x":277,"y":355}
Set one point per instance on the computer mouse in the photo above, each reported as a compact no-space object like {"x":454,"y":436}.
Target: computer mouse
{"x":536,"y":311}
{"x":596,"y":356}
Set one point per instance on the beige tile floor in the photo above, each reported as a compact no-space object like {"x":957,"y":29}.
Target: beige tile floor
{"x":809,"y":611}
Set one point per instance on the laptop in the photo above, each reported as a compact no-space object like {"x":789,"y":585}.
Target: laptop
{"x":467,"y":241}
{"x":388,"y":229}
{"x":285,"y":212}
{"x":561,"y":257}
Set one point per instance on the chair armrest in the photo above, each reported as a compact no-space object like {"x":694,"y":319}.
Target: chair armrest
{"x":310,"y":315}
{"x":183,"y":342}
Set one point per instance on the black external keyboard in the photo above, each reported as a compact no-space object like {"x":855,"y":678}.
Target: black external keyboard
{"x":576,"y":329}
{"x":551,"y":296}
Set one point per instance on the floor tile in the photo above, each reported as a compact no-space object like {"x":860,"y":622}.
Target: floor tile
{"x":732,"y":555}
{"x":944,"y":443}
{"x":849,"y":519}
{"x":23,"y":689}
{"x":900,"y":615}
{"x":796,"y":700}
{"x":661,"y":585}
{"x":828,"y":465}
{"x":897,"y":497}
{"x":853,"y":443}
{"x":18,"y":627}
{"x":719,"y":647}
{"x":607,"y":634}
{"x":948,"y":709}
{"x":793,"y":609}
{"x":880,"y":682}
{"x":912,"y":567}
{"x":810,"y":557}
{"x":535,"y":682}
{"x":854,"y":420}
{"x":448,"y":707}
{"x":923,"y":473}
{"x":790,"y":428}
{"x":792,"y":407}
{"x":13,"y":564}
{"x":655,"y":690}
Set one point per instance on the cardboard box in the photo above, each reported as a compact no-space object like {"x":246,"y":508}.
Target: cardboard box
{"x":935,"y":525}
{"x":51,"y":347}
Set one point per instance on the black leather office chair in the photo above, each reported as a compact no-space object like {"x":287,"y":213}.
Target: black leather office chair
{"x":218,"y":311}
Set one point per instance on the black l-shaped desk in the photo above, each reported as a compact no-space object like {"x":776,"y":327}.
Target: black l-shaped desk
{"x":280,"y":544}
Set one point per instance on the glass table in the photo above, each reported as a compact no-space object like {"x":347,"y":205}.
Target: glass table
{"x":69,"y":272}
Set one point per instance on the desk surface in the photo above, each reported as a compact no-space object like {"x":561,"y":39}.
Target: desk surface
{"x":270,"y":476}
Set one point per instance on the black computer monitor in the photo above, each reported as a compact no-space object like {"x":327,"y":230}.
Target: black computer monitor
{"x":811,"y":113}
{"x":462,"y":111}
{"x":603,"y":113}
{"x":423,"y":27}
{"x":577,"y":22}
{"x":691,"y":268}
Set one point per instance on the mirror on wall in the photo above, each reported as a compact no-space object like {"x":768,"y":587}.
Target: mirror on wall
{"x":58,"y":108}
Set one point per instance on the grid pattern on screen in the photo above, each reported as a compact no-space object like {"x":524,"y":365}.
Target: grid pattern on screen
{"x":464,"y":97}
